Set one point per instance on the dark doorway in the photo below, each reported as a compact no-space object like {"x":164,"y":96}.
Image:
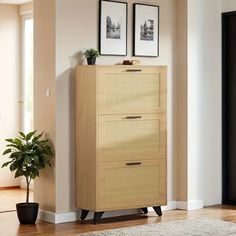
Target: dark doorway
{"x":229,"y":106}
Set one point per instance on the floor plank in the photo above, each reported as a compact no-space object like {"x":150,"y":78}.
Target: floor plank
{"x":9,"y":198}
{"x":9,"y":224}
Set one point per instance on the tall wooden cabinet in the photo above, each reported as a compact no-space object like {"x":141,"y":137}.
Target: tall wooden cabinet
{"x":120,"y":138}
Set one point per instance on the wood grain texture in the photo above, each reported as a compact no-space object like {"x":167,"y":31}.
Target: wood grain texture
{"x":9,"y":223}
{"x":105,"y":97}
{"x":10,"y":187}
{"x":132,"y":139}
{"x":125,"y":90}
{"x":9,"y":198}
{"x":123,"y":186}
{"x":86,"y":137}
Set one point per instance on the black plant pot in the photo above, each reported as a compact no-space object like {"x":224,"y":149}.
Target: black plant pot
{"x":91,"y":60}
{"x":27,"y":212}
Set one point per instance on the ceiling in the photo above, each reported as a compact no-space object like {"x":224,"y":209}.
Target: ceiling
{"x":15,"y":1}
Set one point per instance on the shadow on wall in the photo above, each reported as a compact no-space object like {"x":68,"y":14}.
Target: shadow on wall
{"x":77,"y":59}
{"x":65,"y":141}
{"x":65,"y":128}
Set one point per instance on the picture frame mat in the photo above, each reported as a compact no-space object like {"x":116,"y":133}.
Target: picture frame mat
{"x":115,"y":10}
{"x":142,"y":13}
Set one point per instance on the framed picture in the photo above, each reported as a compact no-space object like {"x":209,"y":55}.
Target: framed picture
{"x":113,"y":28}
{"x":146,"y":30}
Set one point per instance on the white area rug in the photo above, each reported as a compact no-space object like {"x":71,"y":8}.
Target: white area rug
{"x":197,"y":227}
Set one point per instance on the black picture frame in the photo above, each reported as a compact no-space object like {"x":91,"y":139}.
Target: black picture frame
{"x":113,"y":43}
{"x":146,"y":44}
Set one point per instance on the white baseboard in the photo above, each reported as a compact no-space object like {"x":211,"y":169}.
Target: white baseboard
{"x":181,"y":205}
{"x":172,"y":205}
{"x":57,"y":218}
{"x":190,"y":205}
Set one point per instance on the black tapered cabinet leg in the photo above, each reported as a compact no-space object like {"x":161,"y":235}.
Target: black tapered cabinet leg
{"x":157,"y":209}
{"x":97,"y":216}
{"x":144,"y":210}
{"x":84,"y":214}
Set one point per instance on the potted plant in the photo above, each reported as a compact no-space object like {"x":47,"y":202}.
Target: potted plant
{"x":28,"y":155}
{"x":91,"y":55}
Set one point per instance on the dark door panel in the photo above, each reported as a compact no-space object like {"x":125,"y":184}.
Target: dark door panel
{"x":229,"y":107}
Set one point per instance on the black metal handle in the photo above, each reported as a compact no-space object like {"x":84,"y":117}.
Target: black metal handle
{"x":133,"y":70}
{"x":132,"y":117}
{"x":133,"y":163}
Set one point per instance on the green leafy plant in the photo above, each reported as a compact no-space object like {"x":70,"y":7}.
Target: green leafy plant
{"x":91,"y":53}
{"x":28,"y":155}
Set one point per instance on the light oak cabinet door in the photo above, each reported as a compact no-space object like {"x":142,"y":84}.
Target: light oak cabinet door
{"x":131,"y":137}
{"x":131,"y":91}
{"x":131,"y":185}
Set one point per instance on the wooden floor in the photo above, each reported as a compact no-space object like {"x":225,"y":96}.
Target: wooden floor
{"x":9,"y":198}
{"x":10,"y":226}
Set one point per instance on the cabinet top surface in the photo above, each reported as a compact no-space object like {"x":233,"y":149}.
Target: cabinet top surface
{"x":121,"y":66}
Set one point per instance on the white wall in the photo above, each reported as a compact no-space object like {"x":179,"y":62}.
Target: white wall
{"x":26,"y":9}
{"x":180,"y":95}
{"x":228,"y":5}
{"x":204,"y":101}
{"x":76,"y":29}
{"x":44,"y":106}
{"x":9,"y":61}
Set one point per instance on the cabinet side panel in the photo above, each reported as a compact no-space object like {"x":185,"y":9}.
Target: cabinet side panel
{"x":164,"y":85}
{"x":164,"y":93}
{"x":86,"y":137}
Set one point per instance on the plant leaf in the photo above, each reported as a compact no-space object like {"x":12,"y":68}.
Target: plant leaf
{"x":7,"y":151}
{"x":36,"y":138}
{"x":13,"y":166}
{"x":28,"y":154}
{"x":13,"y":145}
{"x":22,"y":135}
{"x":17,"y":142}
{"x":18,"y":173}
{"x":30,"y":135}
{"x":9,"y":140}
{"x":27,"y":160}
{"x":6,"y":164}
